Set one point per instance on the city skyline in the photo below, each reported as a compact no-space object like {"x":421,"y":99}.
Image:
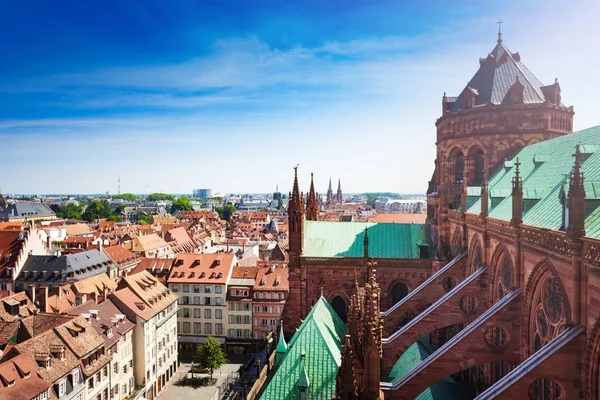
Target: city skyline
{"x":180,"y":93}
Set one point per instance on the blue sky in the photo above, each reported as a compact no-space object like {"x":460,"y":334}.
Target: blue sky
{"x":232,"y":94}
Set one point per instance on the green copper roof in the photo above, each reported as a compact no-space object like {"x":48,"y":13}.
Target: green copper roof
{"x":320,"y":337}
{"x":346,"y":239}
{"x":281,"y":344}
{"x":419,"y":351}
{"x":545,"y":168}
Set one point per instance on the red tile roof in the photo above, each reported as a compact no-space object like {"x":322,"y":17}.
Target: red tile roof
{"x":272,"y":277}
{"x":20,"y":371}
{"x":10,"y":245}
{"x":202,"y":268}
{"x":120,"y":255}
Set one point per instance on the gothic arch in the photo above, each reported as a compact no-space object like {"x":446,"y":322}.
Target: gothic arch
{"x":338,"y":299}
{"x":547,"y":309}
{"x":475,"y":258}
{"x":456,"y":244}
{"x":476,"y":165}
{"x":502,"y":273}
{"x":593,"y":363}
{"x":398,"y":288}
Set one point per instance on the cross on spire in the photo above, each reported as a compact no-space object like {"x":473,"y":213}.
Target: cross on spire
{"x":500,"y":22}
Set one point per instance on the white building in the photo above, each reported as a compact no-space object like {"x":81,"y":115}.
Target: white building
{"x":148,"y":303}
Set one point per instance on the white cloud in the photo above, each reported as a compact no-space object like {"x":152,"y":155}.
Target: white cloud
{"x":241,"y":117}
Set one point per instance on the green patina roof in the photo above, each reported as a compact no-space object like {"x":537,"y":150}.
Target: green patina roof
{"x":281,"y":344}
{"x":413,"y":356}
{"x":320,"y":337}
{"x":346,"y":239}
{"x":545,"y":168}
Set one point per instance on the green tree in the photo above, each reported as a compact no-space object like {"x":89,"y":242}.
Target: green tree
{"x":70,"y":211}
{"x":120,"y":208}
{"x":371,"y":200}
{"x":144,"y":219}
{"x":159,"y":196}
{"x":125,"y":196}
{"x":226,"y":212}
{"x":279,"y":203}
{"x":113,"y":217}
{"x":181,"y":204}
{"x":96,"y":210}
{"x":210,"y":355}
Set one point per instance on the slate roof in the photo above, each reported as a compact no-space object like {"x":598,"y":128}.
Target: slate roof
{"x":545,"y":168}
{"x":26,"y":209}
{"x":65,"y":268}
{"x":346,"y":239}
{"x":496,"y":74}
{"x":320,"y":338}
{"x":446,"y":389}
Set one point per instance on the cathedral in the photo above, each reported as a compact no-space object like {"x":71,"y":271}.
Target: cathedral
{"x":498,"y":294}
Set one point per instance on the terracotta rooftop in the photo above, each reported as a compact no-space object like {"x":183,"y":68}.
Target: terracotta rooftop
{"x":148,"y":243}
{"x":158,"y":267}
{"x":120,"y":255}
{"x":11,"y":242}
{"x":272,"y":276}
{"x":79,"y":335}
{"x":16,"y":306}
{"x":20,"y":380}
{"x":183,"y":242}
{"x":144,"y":295}
{"x":202,"y":268}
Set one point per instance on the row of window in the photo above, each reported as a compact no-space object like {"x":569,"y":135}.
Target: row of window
{"x":197,"y":300}
{"x":267,"y":309}
{"x":269,"y":296}
{"x":239,"y":333}
{"x":240,"y":319}
{"x":197,"y":288}
{"x":238,"y":306}
{"x":208,"y":328}
{"x":186,"y":313}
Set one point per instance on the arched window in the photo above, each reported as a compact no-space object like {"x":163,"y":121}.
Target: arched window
{"x":339,"y":306}
{"x":459,"y":166}
{"x":399,"y":291}
{"x":504,"y":277}
{"x":549,"y":319}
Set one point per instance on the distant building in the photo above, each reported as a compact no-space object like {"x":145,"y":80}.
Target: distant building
{"x":400,"y":206}
{"x":202,"y":193}
{"x":27,"y":211}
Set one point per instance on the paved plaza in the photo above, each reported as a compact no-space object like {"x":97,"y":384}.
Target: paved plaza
{"x":175,"y":392}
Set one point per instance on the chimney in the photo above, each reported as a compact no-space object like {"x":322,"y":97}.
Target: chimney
{"x":99,"y":244}
{"x":60,"y":292}
{"x":93,"y":296}
{"x":104,"y":293}
{"x":44,"y":306}
{"x":31,"y":290}
{"x":48,"y":242}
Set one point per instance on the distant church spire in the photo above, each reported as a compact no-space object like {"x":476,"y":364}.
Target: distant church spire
{"x":330,"y":193}
{"x":338,"y":197}
{"x":312,"y":203}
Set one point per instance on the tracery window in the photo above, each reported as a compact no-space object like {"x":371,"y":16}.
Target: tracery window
{"x":504,"y":277}
{"x":549,"y":319}
{"x":477,"y":259}
{"x":459,"y":166}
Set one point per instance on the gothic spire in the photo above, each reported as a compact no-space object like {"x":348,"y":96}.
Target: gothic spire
{"x":339,"y":197}
{"x":517,"y":197}
{"x":576,"y":199}
{"x":346,"y":387}
{"x":312,"y":203}
{"x":366,"y":243}
{"x":330,"y":193}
